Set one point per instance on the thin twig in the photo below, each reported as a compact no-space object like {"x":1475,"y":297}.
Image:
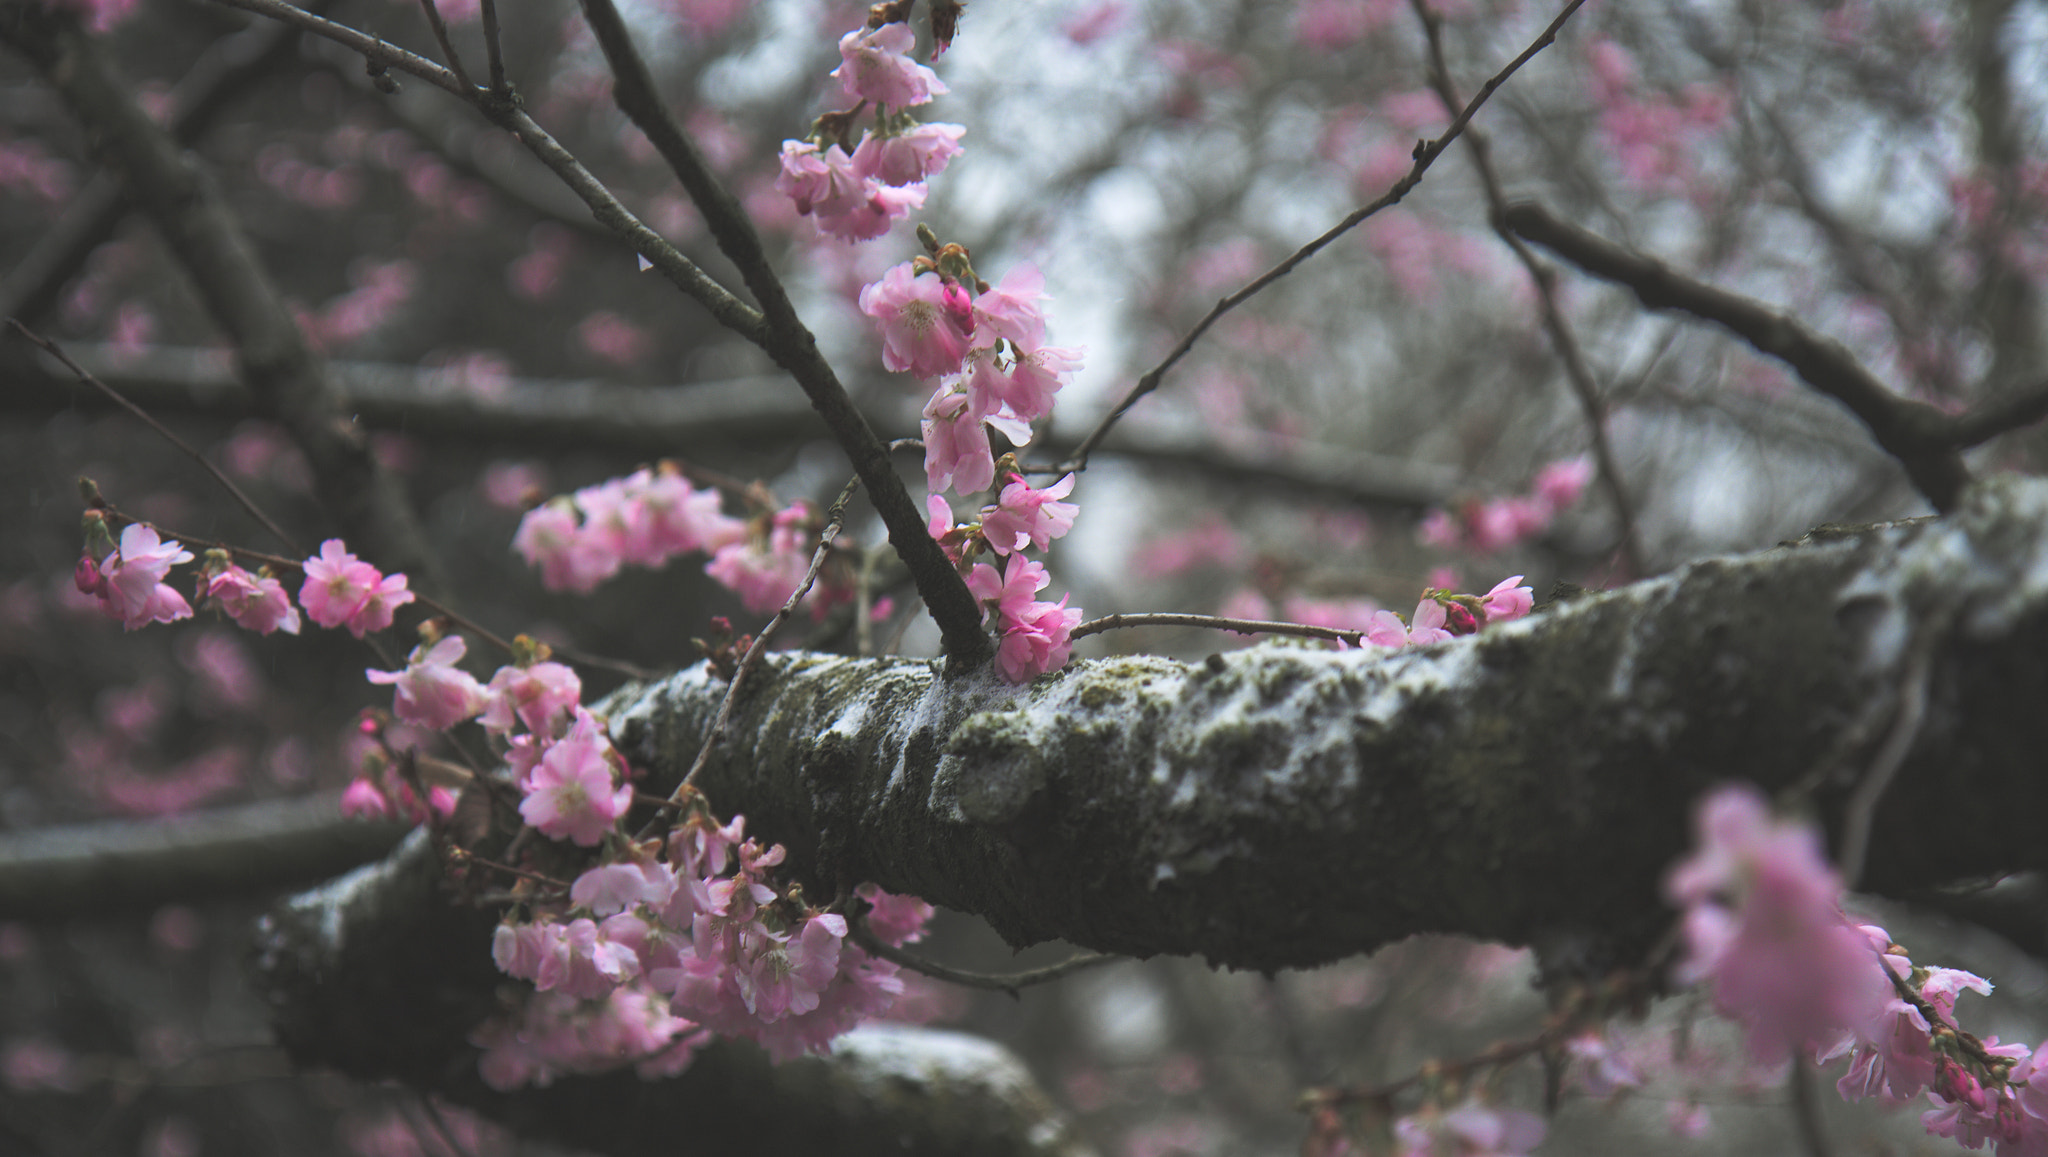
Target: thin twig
{"x":1426,"y":153}
{"x":833,"y":519}
{"x":1919,"y":436}
{"x":1011,"y":983}
{"x":373,"y":48}
{"x":493,"y":49}
{"x":248,"y":504}
{"x":440,"y":27}
{"x":467,"y":856}
{"x":1219,"y":623}
{"x":1562,"y":338}
{"x":1862,"y":807}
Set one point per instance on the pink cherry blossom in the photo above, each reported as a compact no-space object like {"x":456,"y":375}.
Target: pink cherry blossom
{"x":342,"y":590}
{"x":829,"y":186}
{"x":876,"y":66}
{"x":1014,"y":590}
{"x":1037,"y":640}
{"x":612,"y":888}
{"x":550,"y":538}
{"x":925,"y":330}
{"x":1010,"y":308}
{"x":1764,"y":928}
{"x":1561,"y":482}
{"x":129,"y":582}
{"x":895,"y":920}
{"x":765,"y":573}
{"x":1023,"y":516}
{"x":570,"y":793}
{"x":908,"y":157}
{"x":1387,"y":630}
{"x":543,"y":696}
{"x":1508,"y":600}
{"x":956,"y":448}
{"x":259,"y":604}
{"x":432,"y":690}
{"x":1021,"y":387}
{"x":1428,"y":624}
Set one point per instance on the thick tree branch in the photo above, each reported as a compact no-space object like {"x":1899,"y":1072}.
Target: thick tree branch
{"x":1921,"y":437}
{"x":376,"y":976}
{"x":248,"y":850}
{"x":1278,"y":807}
{"x":190,"y":215}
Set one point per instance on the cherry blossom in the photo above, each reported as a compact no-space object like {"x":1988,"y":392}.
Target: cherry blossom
{"x":926,"y":321}
{"x":1508,"y":600}
{"x":569,"y":794}
{"x":1024,"y":516}
{"x":956,"y":447}
{"x":129,"y":583}
{"x":432,"y":690}
{"x":543,"y":696}
{"x":908,"y":157}
{"x":876,"y":66}
{"x":257,"y":603}
{"x":342,"y":590}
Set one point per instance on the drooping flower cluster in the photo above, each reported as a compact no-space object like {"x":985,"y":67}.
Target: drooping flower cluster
{"x":986,"y":345}
{"x":129,"y":580}
{"x":1486,"y":525}
{"x":696,"y":923}
{"x":855,"y":191}
{"x":1764,"y":929}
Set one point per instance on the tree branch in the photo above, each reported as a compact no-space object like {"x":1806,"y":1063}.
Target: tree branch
{"x":56,"y":873}
{"x":188,"y":212}
{"x":1921,"y":437}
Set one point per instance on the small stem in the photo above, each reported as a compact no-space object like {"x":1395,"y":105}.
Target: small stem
{"x":1217,"y":622}
{"x":441,"y":37}
{"x":1011,"y":983}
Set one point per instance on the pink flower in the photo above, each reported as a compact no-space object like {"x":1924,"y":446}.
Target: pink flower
{"x":259,"y":604}
{"x":1428,"y":624}
{"x":1763,"y":926}
{"x":876,"y":66}
{"x":895,"y":920}
{"x":1014,"y":591}
{"x":1022,"y":388}
{"x":956,"y":448}
{"x":908,"y":157}
{"x":765,"y":574}
{"x":846,"y":202}
{"x":550,"y":538}
{"x":1470,"y":1130}
{"x":1023,"y":516}
{"x":1508,"y":600}
{"x":1010,"y":308}
{"x":925,"y":321}
{"x":1560,"y":483}
{"x":1039,"y":639}
{"x":362,"y":800}
{"x":542,"y":696}
{"x":129,"y":583}
{"x":613,"y":888}
{"x":342,"y":590}
{"x":432,"y":690}
{"x":1387,"y":630}
{"x":570,"y":793}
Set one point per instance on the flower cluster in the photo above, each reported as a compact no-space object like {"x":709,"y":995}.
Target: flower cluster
{"x":697,"y":923}
{"x":1764,"y":929}
{"x":643,"y":519}
{"x":129,"y":581}
{"x":856,"y":191}
{"x":1486,"y":525}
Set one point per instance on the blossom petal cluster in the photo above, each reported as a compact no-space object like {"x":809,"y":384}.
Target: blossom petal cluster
{"x":342,"y":590}
{"x":1033,"y":636}
{"x":1486,"y":525}
{"x":129,"y":582}
{"x":857,"y":195}
{"x":432,"y":690}
{"x":704,"y":932}
{"x":644,"y":519}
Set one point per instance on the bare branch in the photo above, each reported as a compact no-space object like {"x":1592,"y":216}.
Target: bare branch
{"x":1012,"y":982}
{"x":1915,"y":433}
{"x":1426,"y":153}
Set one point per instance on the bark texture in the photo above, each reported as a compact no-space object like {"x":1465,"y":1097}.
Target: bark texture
{"x":1279,"y":807}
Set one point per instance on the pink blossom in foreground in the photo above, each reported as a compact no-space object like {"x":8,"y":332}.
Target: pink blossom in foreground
{"x":832,"y":189}
{"x":1764,"y":929}
{"x":258,"y":604}
{"x":342,"y":590}
{"x":129,"y":582}
{"x":1428,"y":624}
{"x":543,"y":696}
{"x":432,"y":690}
{"x":569,"y":794}
{"x":1508,"y":600}
{"x":1024,"y":517}
{"x":1022,"y":385}
{"x":876,"y":66}
{"x":956,"y":448}
{"x":925,"y":320}
{"x":1038,"y":640}
{"x":908,"y":157}
{"x":1012,"y":592}
{"x":1010,"y":309}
